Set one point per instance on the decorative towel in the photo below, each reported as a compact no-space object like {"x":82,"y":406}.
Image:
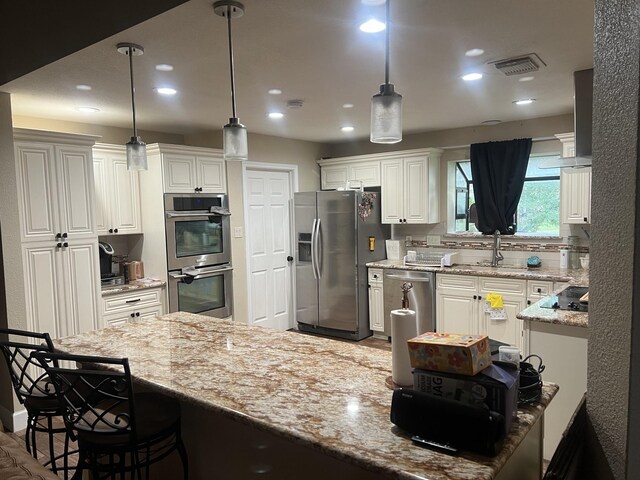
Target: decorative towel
{"x":495,"y":300}
{"x":494,"y":306}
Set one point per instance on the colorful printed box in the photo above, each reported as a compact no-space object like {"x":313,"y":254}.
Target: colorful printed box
{"x":450,"y":352}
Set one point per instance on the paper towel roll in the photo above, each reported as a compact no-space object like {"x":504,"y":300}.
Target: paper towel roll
{"x":403,"y":327}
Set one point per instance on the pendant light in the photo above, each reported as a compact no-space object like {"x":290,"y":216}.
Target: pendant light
{"x":386,"y":106}
{"x":234,"y":139}
{"x":136,"y":148}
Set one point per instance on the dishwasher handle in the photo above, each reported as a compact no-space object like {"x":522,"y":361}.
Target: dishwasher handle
{"x":409,"y":279}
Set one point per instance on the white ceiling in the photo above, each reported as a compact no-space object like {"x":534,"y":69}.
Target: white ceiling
{"x":314,"y":51}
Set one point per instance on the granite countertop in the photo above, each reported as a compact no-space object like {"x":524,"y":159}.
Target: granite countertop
{"x":575,"y":276}
{"x":322,"y":393}
{"x":536,"y":313}
{"x":133,"y":285}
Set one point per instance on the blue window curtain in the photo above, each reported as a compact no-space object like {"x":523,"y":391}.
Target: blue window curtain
{"x":498,"y":171}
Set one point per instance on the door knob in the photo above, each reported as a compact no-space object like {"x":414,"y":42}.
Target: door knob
{"x":289,"y":258}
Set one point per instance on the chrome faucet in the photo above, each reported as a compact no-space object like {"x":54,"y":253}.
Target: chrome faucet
{"x":496,"y":256}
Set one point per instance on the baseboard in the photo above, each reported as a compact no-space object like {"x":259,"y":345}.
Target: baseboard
{"x":13,"y":421}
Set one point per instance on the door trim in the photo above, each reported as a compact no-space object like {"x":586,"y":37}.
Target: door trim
{"x":292,"y":170}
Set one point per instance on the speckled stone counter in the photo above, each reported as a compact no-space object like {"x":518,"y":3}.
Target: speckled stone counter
{"x":327,"y":395}
{"x":535,"y":313}
{"x":575,"y":276}
{"x":133,"y":285}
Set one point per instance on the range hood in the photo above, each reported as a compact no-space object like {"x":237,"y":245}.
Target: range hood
{"x":582,"y":114}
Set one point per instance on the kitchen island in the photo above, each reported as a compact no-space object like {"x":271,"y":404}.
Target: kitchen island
{"x":269,"y":404}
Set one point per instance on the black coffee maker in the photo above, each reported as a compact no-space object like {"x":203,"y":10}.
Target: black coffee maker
{"x":106,"y":253}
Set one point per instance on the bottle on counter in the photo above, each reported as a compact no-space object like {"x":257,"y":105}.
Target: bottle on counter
{"x":564,"y":258}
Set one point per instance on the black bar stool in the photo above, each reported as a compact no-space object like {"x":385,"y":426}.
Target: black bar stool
{"x":117,"y":431}
{"x":35,"y":391}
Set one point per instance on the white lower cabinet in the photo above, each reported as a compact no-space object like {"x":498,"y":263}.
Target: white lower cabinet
{"x":460,"y":307}
{"x":376,"y":300}
{"x":118,"y":309}
{"x":61,"y":285}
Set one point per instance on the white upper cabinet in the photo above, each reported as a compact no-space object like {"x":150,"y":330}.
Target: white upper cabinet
{"x":117,"y":191}
{"x":336,"y":172}
{"x":55,"y":191}
{"x":410,"y":188}
{"x":188,"y":171}
{"x":575,"y":187}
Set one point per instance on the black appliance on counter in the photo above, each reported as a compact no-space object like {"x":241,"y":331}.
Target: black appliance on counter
{"x":106,"y":255}
{"x":567,"y":299}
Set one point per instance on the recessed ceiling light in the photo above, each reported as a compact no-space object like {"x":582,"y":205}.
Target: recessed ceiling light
{"x":474,"y":52}
{"x":88,"y":109}
{"x":524,"y":101}
{"x":372,"y":2}
{"x":347,"y":128}
{"x":84,"y":88}
{"x":166,"y":91}
{"x":275,"y":115}
{"x":491,"y":122}
{"x":469,"y":77}
{"x":164,"y":67}
{"x":275,"y":91}
{"x":372,"y":26}
{"x":347,"y":105}
{"x":526,"y":79}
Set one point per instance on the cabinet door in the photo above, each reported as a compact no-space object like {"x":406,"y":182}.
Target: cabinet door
{"x":415,"y":190}
{"x":456,"y":312}
{"x":44,"y":306}
{"x":376,"y":307}
{"x":575,"y":191}
{"x":333,"y":176}
{"x":76,"y":191}
{"x":179,"y":173}
{"x":392,"y":191}
{"x":367,"y":172}
{"x":125,"y":203}
{"x":508,"y":331}
{"x":79,"y":276}
{"x":37,"y":191}
{"x":150,"y":312}
{"x":117,"y":320}
{"x":211,"y":175}
{"x":100,"y":180}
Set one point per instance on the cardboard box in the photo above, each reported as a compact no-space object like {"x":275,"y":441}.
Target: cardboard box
{"x":496,"y":386}
{"x":450,"y":352}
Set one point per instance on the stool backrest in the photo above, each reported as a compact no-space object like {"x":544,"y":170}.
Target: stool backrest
{"x":28,"y":377}
{"x":97,"y":397}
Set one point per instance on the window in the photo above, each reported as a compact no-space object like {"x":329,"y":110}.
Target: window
{"x":539,"y":208}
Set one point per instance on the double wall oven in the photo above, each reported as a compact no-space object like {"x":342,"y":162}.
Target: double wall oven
{"x":199,"y":254}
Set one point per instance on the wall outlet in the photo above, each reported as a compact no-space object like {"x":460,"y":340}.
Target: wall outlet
{"x":238,"y":232}
{"x":433,"y":239}
{"x":408,"y":238}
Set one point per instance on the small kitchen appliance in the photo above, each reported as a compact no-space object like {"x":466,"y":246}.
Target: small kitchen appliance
{"x":106,"y":254}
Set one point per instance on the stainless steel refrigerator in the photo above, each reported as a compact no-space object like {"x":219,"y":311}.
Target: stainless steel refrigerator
{"x":337,"y":233}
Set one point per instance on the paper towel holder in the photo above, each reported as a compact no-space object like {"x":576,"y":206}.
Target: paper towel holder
{"x":405,"y":291}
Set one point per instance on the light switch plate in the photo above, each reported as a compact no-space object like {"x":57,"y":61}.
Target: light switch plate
{"x":433,"y":239}
{"x":238,"y":232}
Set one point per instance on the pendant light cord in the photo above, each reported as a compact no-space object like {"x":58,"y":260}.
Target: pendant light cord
{"x":133,"y":101}
{"x":386,"y":58}
{"x":231,"y":66}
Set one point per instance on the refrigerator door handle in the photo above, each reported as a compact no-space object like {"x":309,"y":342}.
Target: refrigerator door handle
{"x":318,"y":252}
{"x":313,"y":249}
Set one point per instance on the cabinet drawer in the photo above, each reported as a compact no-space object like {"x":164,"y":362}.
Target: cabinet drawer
{"x":375,"y":275}
{"x":130,"y":300}
{"x":130,"y":314}
{"x":539,"y":288}
{"x":503,"y":286}
{"x":457,"y":282}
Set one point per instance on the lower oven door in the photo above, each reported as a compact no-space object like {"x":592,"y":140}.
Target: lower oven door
{"x":206,"y":291}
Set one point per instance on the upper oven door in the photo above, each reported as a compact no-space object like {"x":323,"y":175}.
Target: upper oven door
{"x":196,"y":239}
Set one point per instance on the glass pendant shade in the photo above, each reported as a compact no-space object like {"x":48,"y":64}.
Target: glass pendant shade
{"x":386,"y":115}
{"x":136,"y":154}
{"x":234,"y":141}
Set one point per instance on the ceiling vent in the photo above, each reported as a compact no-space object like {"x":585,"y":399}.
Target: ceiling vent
{"x":519,"y":65}
{"x":295,"y":104}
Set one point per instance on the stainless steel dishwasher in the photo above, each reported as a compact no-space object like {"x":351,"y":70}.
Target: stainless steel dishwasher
{"x":421,"y":297}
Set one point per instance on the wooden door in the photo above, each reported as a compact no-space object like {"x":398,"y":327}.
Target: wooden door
{"x":103,"y":203}
{"x":392,"y":191}
{"x":76,"y":191}
{"x":81,"y":292}
{"x":211,"y":176}
{"x":415,"y":190}
{"x":268,"y":196}
{"x":179,"y":173}
{"x":125,"y":204}
{"x":456,"y":312}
